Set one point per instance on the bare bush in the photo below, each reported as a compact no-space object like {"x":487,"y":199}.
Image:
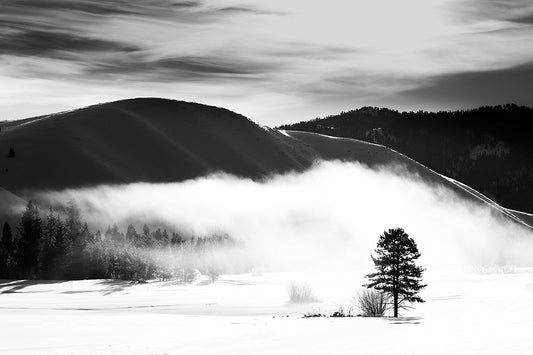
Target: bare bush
{"x":212,"y":272}
{"x":300,"y":292}
{"x":188,"y":275}
{"x":342,"y":312}
{"x":257,"y":272}
{"x":164,"y":274}
{"x":314,"y":315}
{"x":496,"y":269}
{"x":373,"y":303}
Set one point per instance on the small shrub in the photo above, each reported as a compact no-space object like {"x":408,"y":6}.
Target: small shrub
{"x":313,"y":315}
{"x":257,"y":272}
{"x":188,"y":275}
{"x":342,"y":312}
{"x":497,"y":269}
{"x":300,"y":293}
{"x":213,"y":273}
{"x":164,"y":274}
{"x":373,"y":303}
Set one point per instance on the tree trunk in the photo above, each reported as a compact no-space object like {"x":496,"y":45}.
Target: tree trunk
{"x":395,"y":304}
{"x":396,"y":280}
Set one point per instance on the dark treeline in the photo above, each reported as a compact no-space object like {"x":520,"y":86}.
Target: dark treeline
{"x":489,"y":148}
{"x":60,"y":246}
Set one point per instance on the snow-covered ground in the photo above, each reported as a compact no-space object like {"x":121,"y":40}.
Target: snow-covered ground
{"x":469,"y":313}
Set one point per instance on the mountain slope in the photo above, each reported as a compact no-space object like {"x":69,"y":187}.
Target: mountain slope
{"x":489,"y":148}
{"x":329,"y":147}
{"x":138,"y":140}
{"x":155,"y":140}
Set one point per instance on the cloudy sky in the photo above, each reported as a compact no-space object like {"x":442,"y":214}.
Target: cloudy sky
{"x":274,"y":61}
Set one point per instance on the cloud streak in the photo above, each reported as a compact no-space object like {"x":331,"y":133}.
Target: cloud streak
{"x":56,"y":44}
{"x":477,"y":88}
{"x":176,"y":68}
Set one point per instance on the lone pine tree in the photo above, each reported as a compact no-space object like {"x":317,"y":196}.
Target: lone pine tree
{"x":397,"y":274}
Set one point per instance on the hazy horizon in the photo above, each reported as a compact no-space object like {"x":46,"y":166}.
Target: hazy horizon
{"x":45,"y":113}
{"x":276,"y":62}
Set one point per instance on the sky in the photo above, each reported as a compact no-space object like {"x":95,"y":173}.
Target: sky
{"x":275,"y":61}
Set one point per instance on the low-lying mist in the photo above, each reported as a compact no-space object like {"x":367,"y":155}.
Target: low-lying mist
{"x":328,"y":217}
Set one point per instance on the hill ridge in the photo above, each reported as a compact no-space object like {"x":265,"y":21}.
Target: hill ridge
{"x":488,"y":148}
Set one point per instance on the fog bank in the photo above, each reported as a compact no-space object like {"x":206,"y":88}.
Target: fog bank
{"x":327,"y":217}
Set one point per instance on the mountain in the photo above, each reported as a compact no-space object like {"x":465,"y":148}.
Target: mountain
{"x":489,"y":148}
{"x":156,"y":140}
{"x":150,"y":140}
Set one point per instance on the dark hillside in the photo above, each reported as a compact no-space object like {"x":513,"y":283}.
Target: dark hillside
{"x":135,"y":140}
{"x":489,"y":148}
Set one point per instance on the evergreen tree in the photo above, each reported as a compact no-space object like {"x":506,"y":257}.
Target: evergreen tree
{"x":146,"y":230}
{"x":165,"y":239}
{"x":73,"y":229}
{"x":131,"y":234}
{"x":146,"y":237}
{"x":114,"y":234}
{"x":107,"y":233}
{"x":48,"y":251}
{"x":176,"y":239}
{"x":157,"y":235}
{"x":397,"y":274}
{"x":6,"y":248}
{"x":86,"y":236}
{"x":7,"y":238}
{"x":29,"y":233}
{"x":62,"y":245}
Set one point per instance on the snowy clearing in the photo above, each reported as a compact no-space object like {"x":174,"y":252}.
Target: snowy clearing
{"x":471,"y":313}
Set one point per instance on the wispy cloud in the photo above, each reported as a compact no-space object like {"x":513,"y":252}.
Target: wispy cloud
{"x":527,"y":19}
{"x":476,"y":88}
{"x":137,"y":67}
{"x":479,"y":10}
{"x":36,"y":29}
{"x":52,"y":44}
{"x":275,"y":61}
{"x":94,"y":7}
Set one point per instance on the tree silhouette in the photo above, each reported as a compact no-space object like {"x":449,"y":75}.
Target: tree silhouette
{"x":114,"y":234}
{"x":11,"y":153}
{"x":6,"y":249}
{"x":54,"y":247}
{"x":397,"y":274}
{"x":132,"y":236}
{"x":29,"y":233}
{"x":74,"y":229}
{"x":61,"y":247}
{"x":7,"y":238}
{"x":146,"y":239}
{"x":165,"y":239}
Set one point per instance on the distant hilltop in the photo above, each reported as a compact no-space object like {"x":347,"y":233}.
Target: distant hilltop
{"x":489,"y":148}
